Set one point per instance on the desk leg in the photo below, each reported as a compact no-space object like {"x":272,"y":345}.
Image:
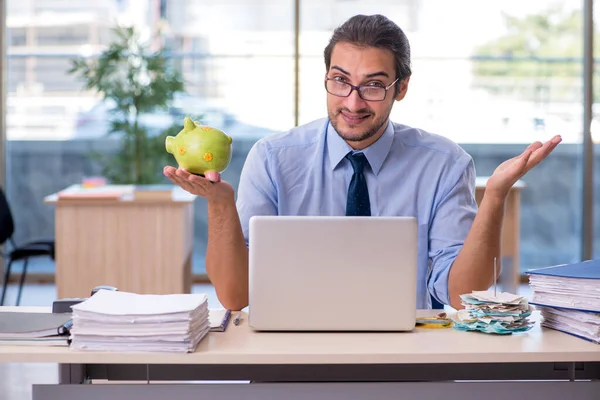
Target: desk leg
{"x":580,"y":390}
{"x":71,"y":374}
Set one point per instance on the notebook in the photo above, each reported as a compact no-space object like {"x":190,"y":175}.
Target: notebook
{"x":219,"y":319}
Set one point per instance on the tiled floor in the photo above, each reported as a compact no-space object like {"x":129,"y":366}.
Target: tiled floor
{"x":16,"y":379}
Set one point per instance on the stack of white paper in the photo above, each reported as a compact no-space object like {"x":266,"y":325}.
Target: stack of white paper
{"x":574,"y":286}
{"x":567,"y":292}
{"x":121,"y":321}
{"x":578,"y":323}
{"x":501,"y":313}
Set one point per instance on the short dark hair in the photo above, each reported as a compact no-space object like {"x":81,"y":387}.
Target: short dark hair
{"x":374,"y":31}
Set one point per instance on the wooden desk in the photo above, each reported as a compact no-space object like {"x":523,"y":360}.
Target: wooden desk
{"x":418,"y":362}
{"x":511,"y":273}
{"x":240,"y":345}
{"x":136,"y":246}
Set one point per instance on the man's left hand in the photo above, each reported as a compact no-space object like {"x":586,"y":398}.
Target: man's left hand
{"x":510,"y":171}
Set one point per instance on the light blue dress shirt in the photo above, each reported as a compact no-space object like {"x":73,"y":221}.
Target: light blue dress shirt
{"x":411,"y":172}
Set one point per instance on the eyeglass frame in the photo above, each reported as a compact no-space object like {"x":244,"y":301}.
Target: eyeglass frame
{"x":357,"y":88}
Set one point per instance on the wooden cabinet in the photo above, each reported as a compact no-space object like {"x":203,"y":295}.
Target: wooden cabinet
{"x":141,"y":246}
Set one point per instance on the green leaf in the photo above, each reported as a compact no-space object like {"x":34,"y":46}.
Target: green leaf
{"x":539,"y":50}
{"x":139,"y":82}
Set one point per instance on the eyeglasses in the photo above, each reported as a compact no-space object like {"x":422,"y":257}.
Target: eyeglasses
{"x":366,"y":92}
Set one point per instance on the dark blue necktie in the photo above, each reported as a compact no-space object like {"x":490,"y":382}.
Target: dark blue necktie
{"x":358,"y":196}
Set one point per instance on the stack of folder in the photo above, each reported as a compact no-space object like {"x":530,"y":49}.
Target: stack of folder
{"x":568,"y":297}
{"x":129,"y":322}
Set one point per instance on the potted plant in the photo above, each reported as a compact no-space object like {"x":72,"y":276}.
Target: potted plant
{"x":133,"y":82}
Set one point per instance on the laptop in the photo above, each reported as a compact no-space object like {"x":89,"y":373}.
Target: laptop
{"x":329,"y":273}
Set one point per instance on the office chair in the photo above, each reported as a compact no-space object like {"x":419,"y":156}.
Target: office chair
{"x":23,"y":252}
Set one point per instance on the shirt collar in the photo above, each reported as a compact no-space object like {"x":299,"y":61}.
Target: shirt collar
{"x":375,"y":153}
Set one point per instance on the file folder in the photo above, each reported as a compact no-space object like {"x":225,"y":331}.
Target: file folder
{"x":32,"y":325}
{"x":572,"y":286}
{"x":589,"y":269}
{"x":33,"y":329}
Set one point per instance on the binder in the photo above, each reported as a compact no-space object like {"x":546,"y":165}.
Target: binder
{"x":589,"y":269}
{"x":568,"y":297}
{"x":581,"y":324}
{"x":34,"y":328}
{"x":32,"y":325}
{"x":572,"y":286}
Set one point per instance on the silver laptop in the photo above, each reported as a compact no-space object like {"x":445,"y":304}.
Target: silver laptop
{"x":332,"y":273}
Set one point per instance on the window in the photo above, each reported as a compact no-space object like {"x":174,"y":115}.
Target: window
{"x":495,"y":82}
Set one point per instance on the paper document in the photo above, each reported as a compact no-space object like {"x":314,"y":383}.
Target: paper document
{"x":575,"y":286}
{"x":111,"y":302}
{"x":568,"y":297}
{"x":503,"y":313}
{"x":585,"y":325}
{"x":500,"y":298}
{"x":122,"y":321}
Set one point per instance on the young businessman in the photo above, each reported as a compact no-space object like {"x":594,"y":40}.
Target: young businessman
{"x":358,"y":162}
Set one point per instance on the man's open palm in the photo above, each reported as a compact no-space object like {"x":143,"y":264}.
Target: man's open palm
{"x":510,"y":171}
{"x":210,"y":187}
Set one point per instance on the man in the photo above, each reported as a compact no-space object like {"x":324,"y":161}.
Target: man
{"x":357,"y":162}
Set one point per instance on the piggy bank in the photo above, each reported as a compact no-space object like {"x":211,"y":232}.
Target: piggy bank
{"x":199,"y":148}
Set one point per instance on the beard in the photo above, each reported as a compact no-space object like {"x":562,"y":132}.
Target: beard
{"x":349,"y":132}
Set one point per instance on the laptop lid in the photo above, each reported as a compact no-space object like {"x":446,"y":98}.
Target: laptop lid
{"x":322,"y":273}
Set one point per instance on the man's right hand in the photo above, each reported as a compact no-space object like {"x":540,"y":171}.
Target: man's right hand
{"x":226,"y":250}
{"x":211,"y":187}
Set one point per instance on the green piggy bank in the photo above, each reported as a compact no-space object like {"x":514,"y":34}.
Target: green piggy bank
{"x":199,"y":148}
